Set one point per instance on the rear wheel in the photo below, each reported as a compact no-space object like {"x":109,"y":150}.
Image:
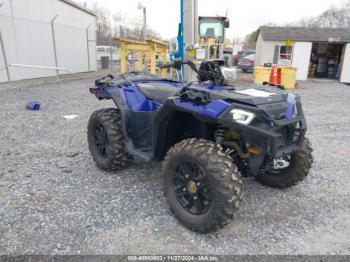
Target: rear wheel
{"x":290,"y":170}
{"x":106,"y":140}
{"x":203,"y":188}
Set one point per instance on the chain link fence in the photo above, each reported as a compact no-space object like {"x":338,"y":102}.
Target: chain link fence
{"x":31,"y":48}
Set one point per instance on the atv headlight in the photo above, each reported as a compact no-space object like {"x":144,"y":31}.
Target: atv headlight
{"x":242,"y":116}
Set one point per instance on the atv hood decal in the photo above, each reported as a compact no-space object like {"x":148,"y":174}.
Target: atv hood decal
{"x":255,"y":93}
{"x":253,"y":96}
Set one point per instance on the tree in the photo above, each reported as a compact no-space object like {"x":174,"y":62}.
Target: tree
{"x":250,"y":40}
{"x":331,"y":18}
{"x":117,"y":21}
{"x":117,"y":25}
{"x":103,"y":30}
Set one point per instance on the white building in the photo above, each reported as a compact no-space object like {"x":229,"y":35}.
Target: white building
{"x":316,"y":52}
{"x":40,"y":38}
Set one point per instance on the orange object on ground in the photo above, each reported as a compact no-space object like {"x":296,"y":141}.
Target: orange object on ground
{"x":275,"y":75}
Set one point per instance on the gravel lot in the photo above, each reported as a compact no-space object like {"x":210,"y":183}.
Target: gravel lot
{"x":54,"y":200}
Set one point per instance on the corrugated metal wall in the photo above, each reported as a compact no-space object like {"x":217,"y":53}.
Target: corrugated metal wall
{"x":27,"y":37}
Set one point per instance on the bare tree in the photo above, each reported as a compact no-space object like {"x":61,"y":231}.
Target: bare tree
{"x":151,"y":33}
{"x":117,"y":22}
{"x":117,"y":25}
{"x":103,"y":24}
{"x":347,"y":14}
{"x":134,"y":30}
{"x":331,"y":18}
{"x":250,"y":40}
{"x":304,"y":22}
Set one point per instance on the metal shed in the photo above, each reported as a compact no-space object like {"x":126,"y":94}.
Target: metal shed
{"x":40,"y":38}
{"x":316,"y":52}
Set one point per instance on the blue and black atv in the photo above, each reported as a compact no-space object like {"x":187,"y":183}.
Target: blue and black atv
{"x":208,"y":135}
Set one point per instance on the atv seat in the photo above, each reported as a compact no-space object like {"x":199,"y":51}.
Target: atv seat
{"x":158,"y":92}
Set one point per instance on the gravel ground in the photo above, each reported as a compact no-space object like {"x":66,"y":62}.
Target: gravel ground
{"x":54,"y":200}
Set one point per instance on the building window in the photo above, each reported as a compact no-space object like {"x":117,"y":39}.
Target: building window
{"x":283,"y":54}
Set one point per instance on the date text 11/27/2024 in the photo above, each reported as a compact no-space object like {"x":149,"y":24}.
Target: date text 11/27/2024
{"x":173,"y":258}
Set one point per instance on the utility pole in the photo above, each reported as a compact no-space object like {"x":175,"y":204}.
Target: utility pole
{"x":190,"y":32}
{"x":144,"y":24}
{"x":121,"y":34}
{"x":144,"y":28}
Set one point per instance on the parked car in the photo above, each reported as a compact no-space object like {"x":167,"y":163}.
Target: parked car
{"x":241,"y":54}
{"x":246,"y":63}
{"x":106,"y":51}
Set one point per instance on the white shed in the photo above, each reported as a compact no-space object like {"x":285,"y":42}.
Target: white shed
{"x":315,"y":52}
{"x":40,"y":38}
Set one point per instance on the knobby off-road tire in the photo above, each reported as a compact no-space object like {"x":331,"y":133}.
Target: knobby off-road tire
{"x":107,"y":123}
{"x":222,"y":176}
{"x":300,"y":164}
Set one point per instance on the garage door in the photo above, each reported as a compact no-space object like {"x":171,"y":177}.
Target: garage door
{"x":301,"y":59}
{"x":345,"y":72}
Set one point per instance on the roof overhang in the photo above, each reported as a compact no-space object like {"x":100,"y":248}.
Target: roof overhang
{"x":82,"y":8}
{"x":300,"y":34}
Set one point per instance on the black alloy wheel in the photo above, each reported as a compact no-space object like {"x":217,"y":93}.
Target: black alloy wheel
{"x":101,"y":140}
{"x":192,"y":188}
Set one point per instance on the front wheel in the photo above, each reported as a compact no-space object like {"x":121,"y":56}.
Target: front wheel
{"x":290,"y":170}
{"x":203,"y":187}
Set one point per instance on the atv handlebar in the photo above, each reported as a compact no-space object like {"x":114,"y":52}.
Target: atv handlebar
{"x":177,"y":63}
{"x":208,"y":71}
{"x":166,"y":66}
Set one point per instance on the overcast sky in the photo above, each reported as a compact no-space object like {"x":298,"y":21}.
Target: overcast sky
{"x":245,"y":15}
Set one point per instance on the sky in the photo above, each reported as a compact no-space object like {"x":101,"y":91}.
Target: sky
{"x":245,"y":15}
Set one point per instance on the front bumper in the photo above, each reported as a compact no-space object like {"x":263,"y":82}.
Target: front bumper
{"x":281,"y":140}
{"x":274,"y":138}
{"x":274,"y":142}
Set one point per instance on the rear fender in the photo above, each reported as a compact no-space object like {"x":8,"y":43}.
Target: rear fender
{"x":100,"y":93}
{"x":137,"y":114}
{"x":131,"y":97}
